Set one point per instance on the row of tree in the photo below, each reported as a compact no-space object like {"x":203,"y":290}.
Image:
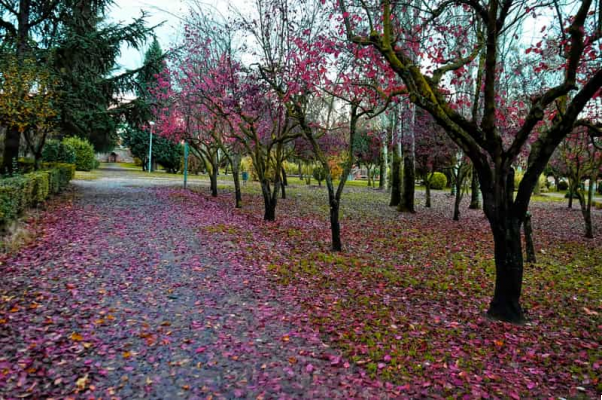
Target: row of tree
{"x":305,"y":76}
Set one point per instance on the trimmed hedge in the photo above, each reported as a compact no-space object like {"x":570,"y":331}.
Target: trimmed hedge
{"x":57,"y":151}
{"x":24,"y":191}
{"x":85,"y":159}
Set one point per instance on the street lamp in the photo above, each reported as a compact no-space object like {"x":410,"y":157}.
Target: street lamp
{"x":150,"y":146}
{"x":185,"y":142}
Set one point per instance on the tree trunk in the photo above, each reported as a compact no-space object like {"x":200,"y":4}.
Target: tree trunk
{"x":283,"y":184}
{"x":10,"y":156}
{"x":395,"y":179}
{"x":570,"y":192}
{"x":586,"y":210}
{"x":497,"y":204}
{"x":529,"y":246}
{"x":427,"y":185}
{"x":407,"y":195}
{"x":300,"y":171}
{"x":213,"y":178}
{"x":269,"y":201}
{"x":335,"y":226}
{"x":556,"y":182}
{"x":505,"y":305}
{"x":458,"y":200}
{"x":384,"y":162}
{"x":236,"y":177}
{"x":475,"y":203}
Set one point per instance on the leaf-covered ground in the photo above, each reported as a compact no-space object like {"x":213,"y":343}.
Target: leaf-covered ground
{"x":135,"y":291}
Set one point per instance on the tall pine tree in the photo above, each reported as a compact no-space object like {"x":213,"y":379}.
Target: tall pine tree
{"x":85,"y":62}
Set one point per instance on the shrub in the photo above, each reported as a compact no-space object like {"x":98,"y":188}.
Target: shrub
{"x":21,"y":192}
{"x":55,"y":151}
{"x":336,"y":166}
{"x":26,"y":165}
{"x":563,"y":185}
{"x":41,"y":187}
{"x":84,"y":153}
{"x":319,"y":174}
{"x":438,"y":181}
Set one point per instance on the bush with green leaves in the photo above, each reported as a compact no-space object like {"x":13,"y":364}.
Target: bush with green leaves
{"x":319,"y":174}
{"x":563,"y":185}
{"x":85,"y":159}
{"x":165,"y":152}
{"x":20,"y":192}
{"x":57,"y":151}
{"x":438,"y":180}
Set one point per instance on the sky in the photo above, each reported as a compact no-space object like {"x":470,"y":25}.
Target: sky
{"x":167,"y":12}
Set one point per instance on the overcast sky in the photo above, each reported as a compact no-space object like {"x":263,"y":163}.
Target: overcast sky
{"x":158,"y":11}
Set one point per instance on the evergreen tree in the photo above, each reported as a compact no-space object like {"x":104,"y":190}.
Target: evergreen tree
{"x":85,"y":62}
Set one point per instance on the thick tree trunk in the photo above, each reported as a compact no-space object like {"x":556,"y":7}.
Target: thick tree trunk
{"x":213,"y":178}
{"x":269,"y":201}
{"x":12,"y":142}
{"x":407,"y":195}
{"x":505,"y":305}
{"x":395,"y":179}
{"x":529,"y":246}
{"x":427,"y":185}
{"x":497,"y":204}
{"x":475,"y":203}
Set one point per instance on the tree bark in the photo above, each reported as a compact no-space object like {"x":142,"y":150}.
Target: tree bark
{"x":497,"y":204}
{"x":505,"y":305}
{"x":269,"y":201}
{"x":335,"y":226}
{"x":427,"y":185}
{"x":395,"y":179}
{"x":407,"y":195}
{"x":12,"y":142}
{"x":570,"y":192}
{"x":459,"y":182}
{"x":457,"y":201}
{"x":475,"y":203}
{"x":283,"y":184}
{"x":236,"y":177}
{"x":586,"y":209}
{"x":529,"y":246}
{"x":213,"y":178}
{"x":384,"y":162}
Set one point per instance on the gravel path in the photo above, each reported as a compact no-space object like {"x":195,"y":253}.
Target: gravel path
{"x":131,"y":293}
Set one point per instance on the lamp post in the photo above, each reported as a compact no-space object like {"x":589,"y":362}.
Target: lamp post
{"x":185,"y":163}
{"x":150,"y":147}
